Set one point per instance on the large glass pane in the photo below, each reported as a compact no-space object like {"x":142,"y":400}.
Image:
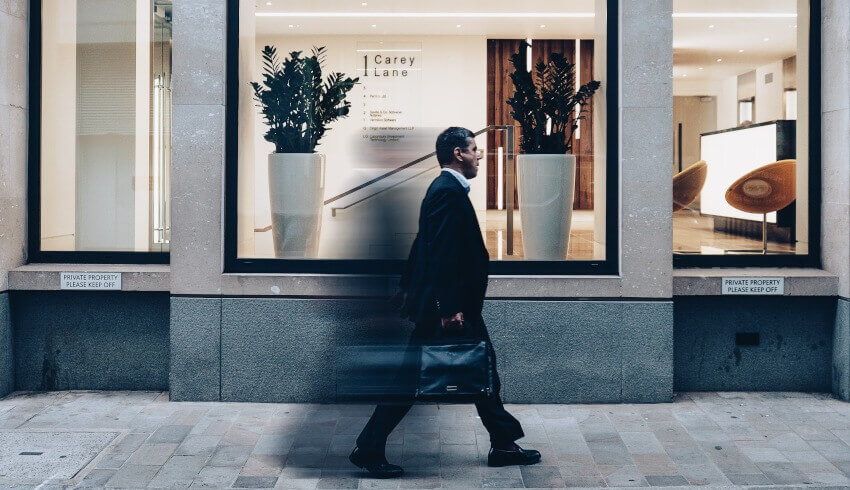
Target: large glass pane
{"x":420,"y":68}
{"x":105,"y":125}
{"x":740,"y":125}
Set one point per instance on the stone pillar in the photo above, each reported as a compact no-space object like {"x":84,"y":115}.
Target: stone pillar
{"x":646,"y":146}
{"x":198,"y":142}
{"x":13,"y":166}
{"x":835,"y":183}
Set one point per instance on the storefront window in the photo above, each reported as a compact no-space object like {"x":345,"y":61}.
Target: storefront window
{"x":336,"y":168}
{"x":104,"y":126}
{"x":743,"y":166}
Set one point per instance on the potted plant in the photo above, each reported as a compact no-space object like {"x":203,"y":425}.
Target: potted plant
{"x":297,"y":106}
{"x":544,"y":104}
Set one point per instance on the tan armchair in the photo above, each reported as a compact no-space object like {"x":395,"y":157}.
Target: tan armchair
{"x":764,"y":190}
{"x":687,"y":184}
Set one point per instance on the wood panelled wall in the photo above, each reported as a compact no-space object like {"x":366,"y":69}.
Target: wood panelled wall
{"x":500,"y":88}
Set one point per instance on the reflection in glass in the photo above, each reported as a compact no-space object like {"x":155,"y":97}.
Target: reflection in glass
{"x":419,"y":72}
{"x":740,"y":110}
{"x":105,"y":125}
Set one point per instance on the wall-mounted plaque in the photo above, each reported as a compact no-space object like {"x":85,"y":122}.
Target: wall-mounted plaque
{"x":90,"y":280}
{"x":754,"y":285}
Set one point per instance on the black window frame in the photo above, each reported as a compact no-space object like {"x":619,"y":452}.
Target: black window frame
{"x":811,"y":259}
{"x":234,"y":264}
{"x":34,"y":253}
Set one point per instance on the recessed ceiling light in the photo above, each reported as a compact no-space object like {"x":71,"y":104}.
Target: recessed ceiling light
{"x":766,"y":39}
{"x":794,"y":26}
{"x":711,"y":26}
{"x":458,"y":25}
{"x":364,"y":4}
{"x":719,"y":60}
{"x":700,"y":68}
{"x":740,"y":50}
{"x":268,"y":3}
{"x":374,"y":25}
{"x":291,"y":26}
{"x":542,"y":26}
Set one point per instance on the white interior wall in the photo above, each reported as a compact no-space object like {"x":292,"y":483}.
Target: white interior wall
{"x":452,"y":91}
{"x":727,"y":103}
{"x":769,"y":95}
{"x":247,"y":122}
{"x":58,"y":123}
{"x":142,"y":185}
{"x":107,"y":129}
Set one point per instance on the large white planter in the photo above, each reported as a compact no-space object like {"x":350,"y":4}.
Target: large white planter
{"x":296,"y":192}
{"x":546,"y":189}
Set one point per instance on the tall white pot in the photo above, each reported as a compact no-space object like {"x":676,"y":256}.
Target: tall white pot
{"x":546,"y":189}
{"x":296,"y":192}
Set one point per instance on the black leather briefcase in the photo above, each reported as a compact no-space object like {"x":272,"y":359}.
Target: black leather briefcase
{"x":455,"y":372}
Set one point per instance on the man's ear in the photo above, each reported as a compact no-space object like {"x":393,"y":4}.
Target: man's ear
{"x":456,"y":152}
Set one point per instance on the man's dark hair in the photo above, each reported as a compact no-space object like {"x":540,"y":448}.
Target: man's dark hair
{"x":448,"y":140}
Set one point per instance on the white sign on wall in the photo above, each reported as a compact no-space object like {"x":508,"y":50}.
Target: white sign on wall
{"x":90,"y":280}
{"x":754,"y":285}
{"x":390,"y":75}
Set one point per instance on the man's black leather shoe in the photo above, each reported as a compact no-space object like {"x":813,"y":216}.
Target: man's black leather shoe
{"x":377,"y":466}
{"x":518,"y":456}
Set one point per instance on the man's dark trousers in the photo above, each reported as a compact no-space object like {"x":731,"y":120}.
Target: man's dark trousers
{"x":501,"y":425}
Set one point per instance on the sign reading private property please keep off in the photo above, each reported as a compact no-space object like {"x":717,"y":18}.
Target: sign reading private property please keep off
{"x":754,"y":285}
{"x":90,"y":280}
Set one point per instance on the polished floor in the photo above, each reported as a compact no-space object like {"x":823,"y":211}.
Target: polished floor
{"x":692,"y":233}
{"x":78,"y":439}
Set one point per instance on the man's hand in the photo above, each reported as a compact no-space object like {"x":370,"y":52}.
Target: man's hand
{"x":452,"y":322}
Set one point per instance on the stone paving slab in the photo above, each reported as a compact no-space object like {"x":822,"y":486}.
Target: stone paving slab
{"x":142,"y":440}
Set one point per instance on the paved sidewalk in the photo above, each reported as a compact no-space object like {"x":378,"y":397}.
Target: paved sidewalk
{"x":140,"y":439}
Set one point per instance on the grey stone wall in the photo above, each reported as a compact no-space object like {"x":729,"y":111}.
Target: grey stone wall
{"x":286,"y":350}
{"x":7,"y":360}
{"x":74,"y":340}
{"x":195,"y":349}
{"x":794,"y":353}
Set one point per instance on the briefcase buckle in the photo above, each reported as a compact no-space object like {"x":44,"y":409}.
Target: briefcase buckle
{"x":451,"y":388}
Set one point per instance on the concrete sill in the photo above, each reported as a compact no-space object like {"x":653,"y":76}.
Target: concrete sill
{"x":333,"y":285}
{"x":798,"y":282}
{"x":134,"y":277}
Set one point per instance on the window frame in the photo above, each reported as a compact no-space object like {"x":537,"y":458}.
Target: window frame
{"x":234,"y":264}
{"x":34,"y":252}
{"x":811,"y":259}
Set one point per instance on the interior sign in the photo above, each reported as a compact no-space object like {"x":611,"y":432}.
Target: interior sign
{"x":90,"y":280}
{"x":754,"y":285}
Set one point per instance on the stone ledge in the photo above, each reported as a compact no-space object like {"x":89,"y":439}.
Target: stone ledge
{"x":798,"y":282}
{"x":134,"y":277}
{"x":330,"y":285}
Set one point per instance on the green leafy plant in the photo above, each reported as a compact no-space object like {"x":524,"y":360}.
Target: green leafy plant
{"x":547,"y":94}
{"x":297,"y":104}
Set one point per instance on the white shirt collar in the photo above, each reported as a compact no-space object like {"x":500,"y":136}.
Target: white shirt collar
{"x":459,"y":176}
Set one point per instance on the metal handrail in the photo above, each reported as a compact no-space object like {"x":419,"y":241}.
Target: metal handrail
{"x":395,"y":171}
{"x":509,"y":178}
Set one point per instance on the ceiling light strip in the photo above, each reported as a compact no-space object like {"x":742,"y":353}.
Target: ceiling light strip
{"x":733,"y":15}
{"x":439,"y":15}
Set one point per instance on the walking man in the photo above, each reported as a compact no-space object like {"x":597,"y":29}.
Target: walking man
{"x":444,"y":283}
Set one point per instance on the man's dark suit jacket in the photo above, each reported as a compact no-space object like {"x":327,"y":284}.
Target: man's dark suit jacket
{"x":446,"y":271}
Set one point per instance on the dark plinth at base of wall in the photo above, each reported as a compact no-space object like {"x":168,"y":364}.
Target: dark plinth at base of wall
{"x":841,"y":350}
{"x":7,"y":363}
{"x":739,"y":343}
{"x":287,"y":350}
{"x":80,"y":340}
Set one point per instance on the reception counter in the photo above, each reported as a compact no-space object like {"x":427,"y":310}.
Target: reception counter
{"x":731,"y":153}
